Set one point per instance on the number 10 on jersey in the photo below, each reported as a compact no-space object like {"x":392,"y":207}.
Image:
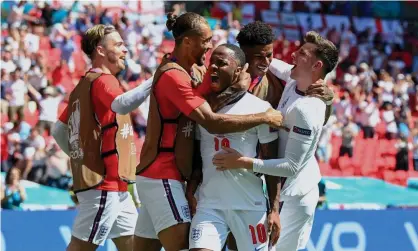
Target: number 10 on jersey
{"x":221,"y":142}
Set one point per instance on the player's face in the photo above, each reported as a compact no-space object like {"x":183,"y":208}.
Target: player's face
{"x":115,"y":51}
{"x":304,"y":61}
{"x":200,"y":45}
{"x":259,"y":58}
{"x":222,"y":69}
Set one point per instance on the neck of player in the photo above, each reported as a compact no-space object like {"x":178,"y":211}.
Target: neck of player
{"x":100,"y":65}
{"x":304,"y":82}
{"x":183,"y":61}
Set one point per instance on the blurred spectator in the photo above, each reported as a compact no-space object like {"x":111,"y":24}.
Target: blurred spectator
{"x":403,"y":148}
{"x":34,"y":157}
{"x":15,"y":17}
{"x":233,"y":32}
{"x":147,"y":52}
{"x":6,"y":62}
{"x":389,"y":118}
{"x":48,"y":106}
{"x":16,"y":95}
{"x":349,"y":132}
{"x":5,"y":82}
{"x":415,"y":145}
{"x":351,"y":78}
{"x":13,"y":193}
{"x":37,"y":78}
{"x":387,"y":85}
{"x":369,"y":116}
{"x":324,"y":150}
{"x":57,"y":172}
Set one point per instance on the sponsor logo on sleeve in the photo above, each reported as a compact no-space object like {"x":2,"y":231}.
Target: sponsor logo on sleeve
{"x":302,"y":131}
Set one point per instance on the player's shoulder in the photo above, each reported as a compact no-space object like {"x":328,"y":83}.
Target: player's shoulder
{"x":175,"y":74}
{"x":106,"y":79}
{"x":255,"y":102}
{"x":105,"y":82}
{"x":311,"y":109}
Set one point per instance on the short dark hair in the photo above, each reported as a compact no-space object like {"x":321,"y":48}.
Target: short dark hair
{"x":326,"y":51}
{"x":255,"y":33}
{"x":239,"y":55}
{"x":187,"y":24}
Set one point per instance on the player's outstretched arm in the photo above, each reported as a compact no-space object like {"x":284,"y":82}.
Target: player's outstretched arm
{"x":222,"y":123}
{"x":130,"y":100}
{"x":280,"y":69}
{"x":300,"y":141}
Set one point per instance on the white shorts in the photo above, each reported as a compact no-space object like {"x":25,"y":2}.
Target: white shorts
{"x":297,"y":217}
{"x":163,"y":204}
{"x":210,"y":229}
{"x":104,"y":215}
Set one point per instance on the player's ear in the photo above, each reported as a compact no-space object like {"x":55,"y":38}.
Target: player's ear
{"x":187,"y":41}
{"x":317,"y":65}
{"x":100,"y":50}
{"x":238,"y":70}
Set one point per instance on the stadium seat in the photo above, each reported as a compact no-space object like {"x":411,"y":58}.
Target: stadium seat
{"x":401,"y":177}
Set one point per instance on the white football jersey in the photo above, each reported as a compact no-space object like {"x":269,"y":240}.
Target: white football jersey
{"x":238,"y":189}
{"x":305,"y":127}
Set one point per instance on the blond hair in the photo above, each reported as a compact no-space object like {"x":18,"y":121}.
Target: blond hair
{"x":94,"y":36}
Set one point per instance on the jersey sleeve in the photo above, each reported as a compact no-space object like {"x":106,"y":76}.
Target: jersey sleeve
{"x":105,"y":89}
{"x":305,"y":125}
{"x":178,"y":90}
{"x":64,"y":116}
{"x":280,"y":69}
{"x":305,"y":122}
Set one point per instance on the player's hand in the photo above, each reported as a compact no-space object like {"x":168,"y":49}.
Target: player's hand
{"x":274,"y":118}
{"x":274,"y":227}
{"x":242,"y":81}
{"x":230,"y":159}
{"x":192,"y":203}
{"x":320,"y":90}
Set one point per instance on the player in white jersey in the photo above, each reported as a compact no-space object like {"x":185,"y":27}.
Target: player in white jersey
{"x":232,"y":201}
{"x":303,"y":121}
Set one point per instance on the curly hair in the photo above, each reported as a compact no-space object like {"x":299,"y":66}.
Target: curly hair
{"x":255,"y":33}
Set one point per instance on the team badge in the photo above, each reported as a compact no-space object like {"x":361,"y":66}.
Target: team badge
{"x":103,"y":231}
{"x":196,"y":233}
{"x":186,"y":212}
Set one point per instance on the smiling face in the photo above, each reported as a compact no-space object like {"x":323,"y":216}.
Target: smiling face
{"x":200,"y":45}
{"x":304,"y":61}
{"x":222,"y":69}
{"x":114,"y":51}
{"x":259,"y":58}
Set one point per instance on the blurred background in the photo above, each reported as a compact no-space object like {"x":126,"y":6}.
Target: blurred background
{"x":368,"y":151}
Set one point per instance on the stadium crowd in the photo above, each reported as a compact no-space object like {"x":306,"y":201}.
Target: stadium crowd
{"x":373,"y":131}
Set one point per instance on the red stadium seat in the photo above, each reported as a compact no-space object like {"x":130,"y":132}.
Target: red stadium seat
{"x":401,"y":177}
